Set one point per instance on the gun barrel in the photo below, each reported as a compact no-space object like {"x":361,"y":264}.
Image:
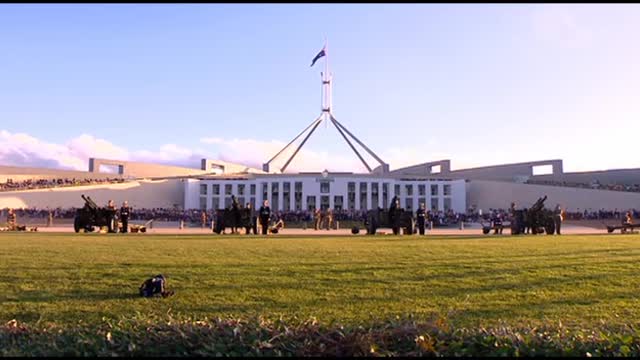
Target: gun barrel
{"x":91,"y":203}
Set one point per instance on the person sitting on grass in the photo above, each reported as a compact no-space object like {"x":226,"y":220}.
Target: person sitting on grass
{"x":155,"y":286}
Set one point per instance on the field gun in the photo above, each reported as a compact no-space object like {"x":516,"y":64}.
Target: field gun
{"x":91,"y":215}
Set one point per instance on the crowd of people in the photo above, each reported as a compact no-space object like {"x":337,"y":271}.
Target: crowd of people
{"x":31,"y":184}
{"x":439,"y":218}
{"x":594,"y":185}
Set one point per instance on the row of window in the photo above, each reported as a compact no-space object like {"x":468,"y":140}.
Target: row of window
{"x":325,"y":188}
{"x":324,"y":203}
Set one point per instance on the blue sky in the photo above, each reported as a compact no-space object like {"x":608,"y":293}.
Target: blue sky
{"x":479,"y":84}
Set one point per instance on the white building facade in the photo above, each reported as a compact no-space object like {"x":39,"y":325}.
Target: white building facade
{"x":337,"y":191}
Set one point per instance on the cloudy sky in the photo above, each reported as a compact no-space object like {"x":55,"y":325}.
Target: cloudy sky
{"x":478,"y":84}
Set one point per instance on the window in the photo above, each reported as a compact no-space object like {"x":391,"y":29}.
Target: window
{"x":203,"y":203}
{"x":240,"y":189}
{"x":265,"y":191}
{"x":421,"y":190}
{"x":434,"y":190}
{"x":203,"y":189}
{"x":324,"y":202}
{"x":311,"y":203}
{"x":351,"y":187}
{"x":447,"y":204}
{"x":434,"y":204}
{"x":216,"y":189}
{"x":298,"y":186}
{"x":325,"y":187}
{"x":337,"y":202}
{"x":215,"y":203}
{"x":409,"y":189}
{"x":286,"y":186}
{"x":252,"y":189}
{"x":446,"y":189}
{"x":396,"y":190}
{"x":422,"y":201}
{"x":363,"y":196}
{"x":409,"y":204}
{"x":227,"y":189}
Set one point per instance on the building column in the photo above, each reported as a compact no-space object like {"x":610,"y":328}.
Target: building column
{"x":369,"y":196}
{"x":280,"y":195}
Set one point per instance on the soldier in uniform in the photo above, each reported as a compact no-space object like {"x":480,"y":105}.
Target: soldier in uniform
{"x":394,"y":216}
{"x":557,"y":218}
{"x":235,"y":214}
{"x":250,"y":223}
{"x":329,"y":219}
{"x":124,"y":216}
{"x":11,"y":220}
{"x":317,"y":218}
{"x":112,"y":216}
{"x":203,"y":218}
{"x":497,"y":223}
{"x":421,"y":216}
{"x":265,"y":216}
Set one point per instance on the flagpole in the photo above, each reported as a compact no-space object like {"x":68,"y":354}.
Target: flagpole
{"x":327,"y":82}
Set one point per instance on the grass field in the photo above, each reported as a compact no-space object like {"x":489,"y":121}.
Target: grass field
{"x":65,"y":279}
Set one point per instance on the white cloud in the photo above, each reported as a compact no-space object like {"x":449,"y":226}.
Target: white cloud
{"x":21,"y":149}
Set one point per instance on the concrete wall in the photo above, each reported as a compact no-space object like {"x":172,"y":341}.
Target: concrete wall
{"x":619,"y":176}
{"x":143,"y":170}
{"x":223,"y":167}
{"x":495,"y":194}
{"x":140,"y":194}
{"x":509,"y":172}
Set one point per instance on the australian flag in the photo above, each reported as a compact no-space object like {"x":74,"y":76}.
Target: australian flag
{"x":320,"y":54}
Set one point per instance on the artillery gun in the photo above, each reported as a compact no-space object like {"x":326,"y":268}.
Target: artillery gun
{"x":537,"y":217}
{"x":394,"y":218}
{"x":91,"y":215}
{"x":234,"y":217}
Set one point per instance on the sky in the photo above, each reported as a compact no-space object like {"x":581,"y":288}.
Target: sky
{"x":479,"y":84}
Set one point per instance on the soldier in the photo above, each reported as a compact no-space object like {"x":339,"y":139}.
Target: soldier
{"x":112,"y":216}
{"x":11,"y":220}
{"x":329,"y":219}
{"x":497,"y":223}
{"x":124,"y":216}
{"x":628,"y":221}
{"x":317,"y":218}
{"x":265,"y":216}
{"x":235,"y":214}
{"x":394,"y":217}
{"x":557,"y":218}
{"x":421,"y":217}
{"x":203,"y":218}
{"x":249,"y":220}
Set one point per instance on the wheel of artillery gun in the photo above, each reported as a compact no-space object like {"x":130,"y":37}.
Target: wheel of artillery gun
{"x":355,"y":230}
{"x":550,"y":227}
{"x":76,"y":224}
{"x":411,"y":229}
{"x":371,"y":228}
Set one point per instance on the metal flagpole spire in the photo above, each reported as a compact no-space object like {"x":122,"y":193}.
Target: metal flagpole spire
{"x":326,"y":115}
{"x":326,"y":86}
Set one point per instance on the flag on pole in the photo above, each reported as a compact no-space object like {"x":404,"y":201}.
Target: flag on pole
{"x":320,"y":54}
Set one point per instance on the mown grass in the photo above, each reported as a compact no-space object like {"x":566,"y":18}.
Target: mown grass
{"x":69,"y":279}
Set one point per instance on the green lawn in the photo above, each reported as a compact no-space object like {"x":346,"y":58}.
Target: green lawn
{"x":472,"y":281}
